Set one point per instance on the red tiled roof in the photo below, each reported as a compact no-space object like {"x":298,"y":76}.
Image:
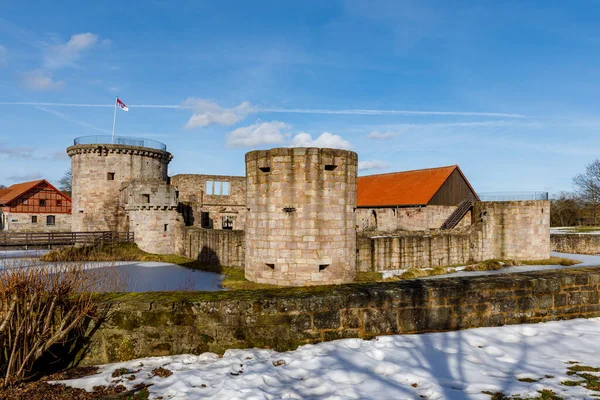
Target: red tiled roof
{"x":407,"y":188}
{"x":18,"y":189}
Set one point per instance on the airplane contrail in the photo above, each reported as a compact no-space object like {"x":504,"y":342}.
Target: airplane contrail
{"x":286,"y":110}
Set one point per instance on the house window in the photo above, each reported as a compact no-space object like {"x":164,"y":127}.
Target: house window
{"x":217,"y":188}
{"x":58,"y":203}
{"x":50,"y":220}
{"x":227,"y":222}
{"x":42,"y":202}
{"x":34,"y":219}
{"x":110,"y":176}
{"x":145,"y":199}
{"x":25,"y":201}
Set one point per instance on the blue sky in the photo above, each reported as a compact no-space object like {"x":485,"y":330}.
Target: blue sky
{"x":506,"y":89}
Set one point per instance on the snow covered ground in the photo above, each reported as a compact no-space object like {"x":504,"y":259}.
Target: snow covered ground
{"x":571,"y":230}
{"x":517,"y":359}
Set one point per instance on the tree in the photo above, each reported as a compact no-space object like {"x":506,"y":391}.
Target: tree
{"x":588,"y":188}
{"x":66,"y":182}
{"x":565,"y":209}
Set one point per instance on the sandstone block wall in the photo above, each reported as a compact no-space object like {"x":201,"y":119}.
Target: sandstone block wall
{"x":575,"y":243}
{"x":192,"y":192}
{"x":391,"y":219}
{"x":95,"y":196}
{"x":152,"y":324}
{"x":21,"y":222}
{"x":215,"y":247}
{"x":301,"y":225}
{"x":518,"y":230}
{"x":413,"y":251}
{"x":151,"y":212}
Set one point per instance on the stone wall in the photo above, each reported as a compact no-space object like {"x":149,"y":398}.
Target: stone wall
{"x":160,"y":324}
{"x":517,"y":230}
{"x":214,"y":247}
{"x":413,"y":250}
{"x":575,"y":243}
{"x":301,"y":222}
{"x":392,"y":219}
{"x":216,"y":208}
{"x":21,"y":222}
{"x":98,"y":171}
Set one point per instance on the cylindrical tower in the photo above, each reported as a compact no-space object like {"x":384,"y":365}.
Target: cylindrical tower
{"x":300,"y":224}
{"x":99,"y":166}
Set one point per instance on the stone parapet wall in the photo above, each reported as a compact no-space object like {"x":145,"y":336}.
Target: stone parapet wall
{"x":160,"y":324}
{"x":157,"y":230}
{"x":423,"y":250}
{"x":214,"y":247}
{"x":575,"y":243}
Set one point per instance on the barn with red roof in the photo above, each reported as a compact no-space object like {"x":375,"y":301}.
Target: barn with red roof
{"x":411,"y":200}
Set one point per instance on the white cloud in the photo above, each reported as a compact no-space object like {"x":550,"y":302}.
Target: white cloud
{"x":67,"y":54}
{"x":326,"y":139}
{"x":207,"y":113}
{"x":38,"y":80}
{"x":3,"y":56}
{"x":271,"y":133}
{"x":383,"y":135}
{"x":374,"y":164}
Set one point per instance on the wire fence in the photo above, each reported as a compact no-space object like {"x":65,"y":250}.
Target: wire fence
{"x":512,"y":196}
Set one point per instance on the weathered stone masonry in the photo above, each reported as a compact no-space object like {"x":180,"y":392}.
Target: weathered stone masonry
{"x":576,"y":243}
{"x":98,"y":171}
{"x":155,"y":324}
{"x":300,"y":223}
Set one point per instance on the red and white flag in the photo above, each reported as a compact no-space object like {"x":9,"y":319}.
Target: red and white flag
{"x":122,"y":105}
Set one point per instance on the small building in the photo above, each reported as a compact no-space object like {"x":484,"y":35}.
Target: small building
{"x":34,"y":206}
{"x":411,"y":200}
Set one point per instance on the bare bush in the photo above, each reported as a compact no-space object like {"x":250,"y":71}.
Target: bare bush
{"x":44,"y":305}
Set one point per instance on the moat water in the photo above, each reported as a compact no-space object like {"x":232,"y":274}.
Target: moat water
{"x":136,"y":276}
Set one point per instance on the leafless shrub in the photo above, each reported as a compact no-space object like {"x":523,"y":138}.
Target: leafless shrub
{"x":43,"y":305}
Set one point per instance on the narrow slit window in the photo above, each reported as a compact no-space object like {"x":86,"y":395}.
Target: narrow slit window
{"x":322,"y":267}
{"x":166,"y":227}
{"x":272,"y":266}
{"x":265,"y":169}
{"x":330,"y":167}
{"x":146,"y":199}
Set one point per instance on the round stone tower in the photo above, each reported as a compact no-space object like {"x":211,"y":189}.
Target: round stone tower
{"x":100,"y":165}
{"x":300,"y":224}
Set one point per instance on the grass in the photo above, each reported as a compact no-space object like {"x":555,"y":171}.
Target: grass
{"x":590,"y":382}
{"x":489,"y":265}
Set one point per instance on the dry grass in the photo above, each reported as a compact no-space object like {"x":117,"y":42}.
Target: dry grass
{"x":490,"y":265}
{"x":44,"y":306}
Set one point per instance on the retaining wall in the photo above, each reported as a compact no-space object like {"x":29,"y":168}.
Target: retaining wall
{"x":574,"y":243}
{"x":214,"y":246}
{"x":158,"y":324}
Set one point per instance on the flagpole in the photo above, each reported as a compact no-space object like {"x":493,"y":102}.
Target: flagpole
{"x":114,"y":121}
